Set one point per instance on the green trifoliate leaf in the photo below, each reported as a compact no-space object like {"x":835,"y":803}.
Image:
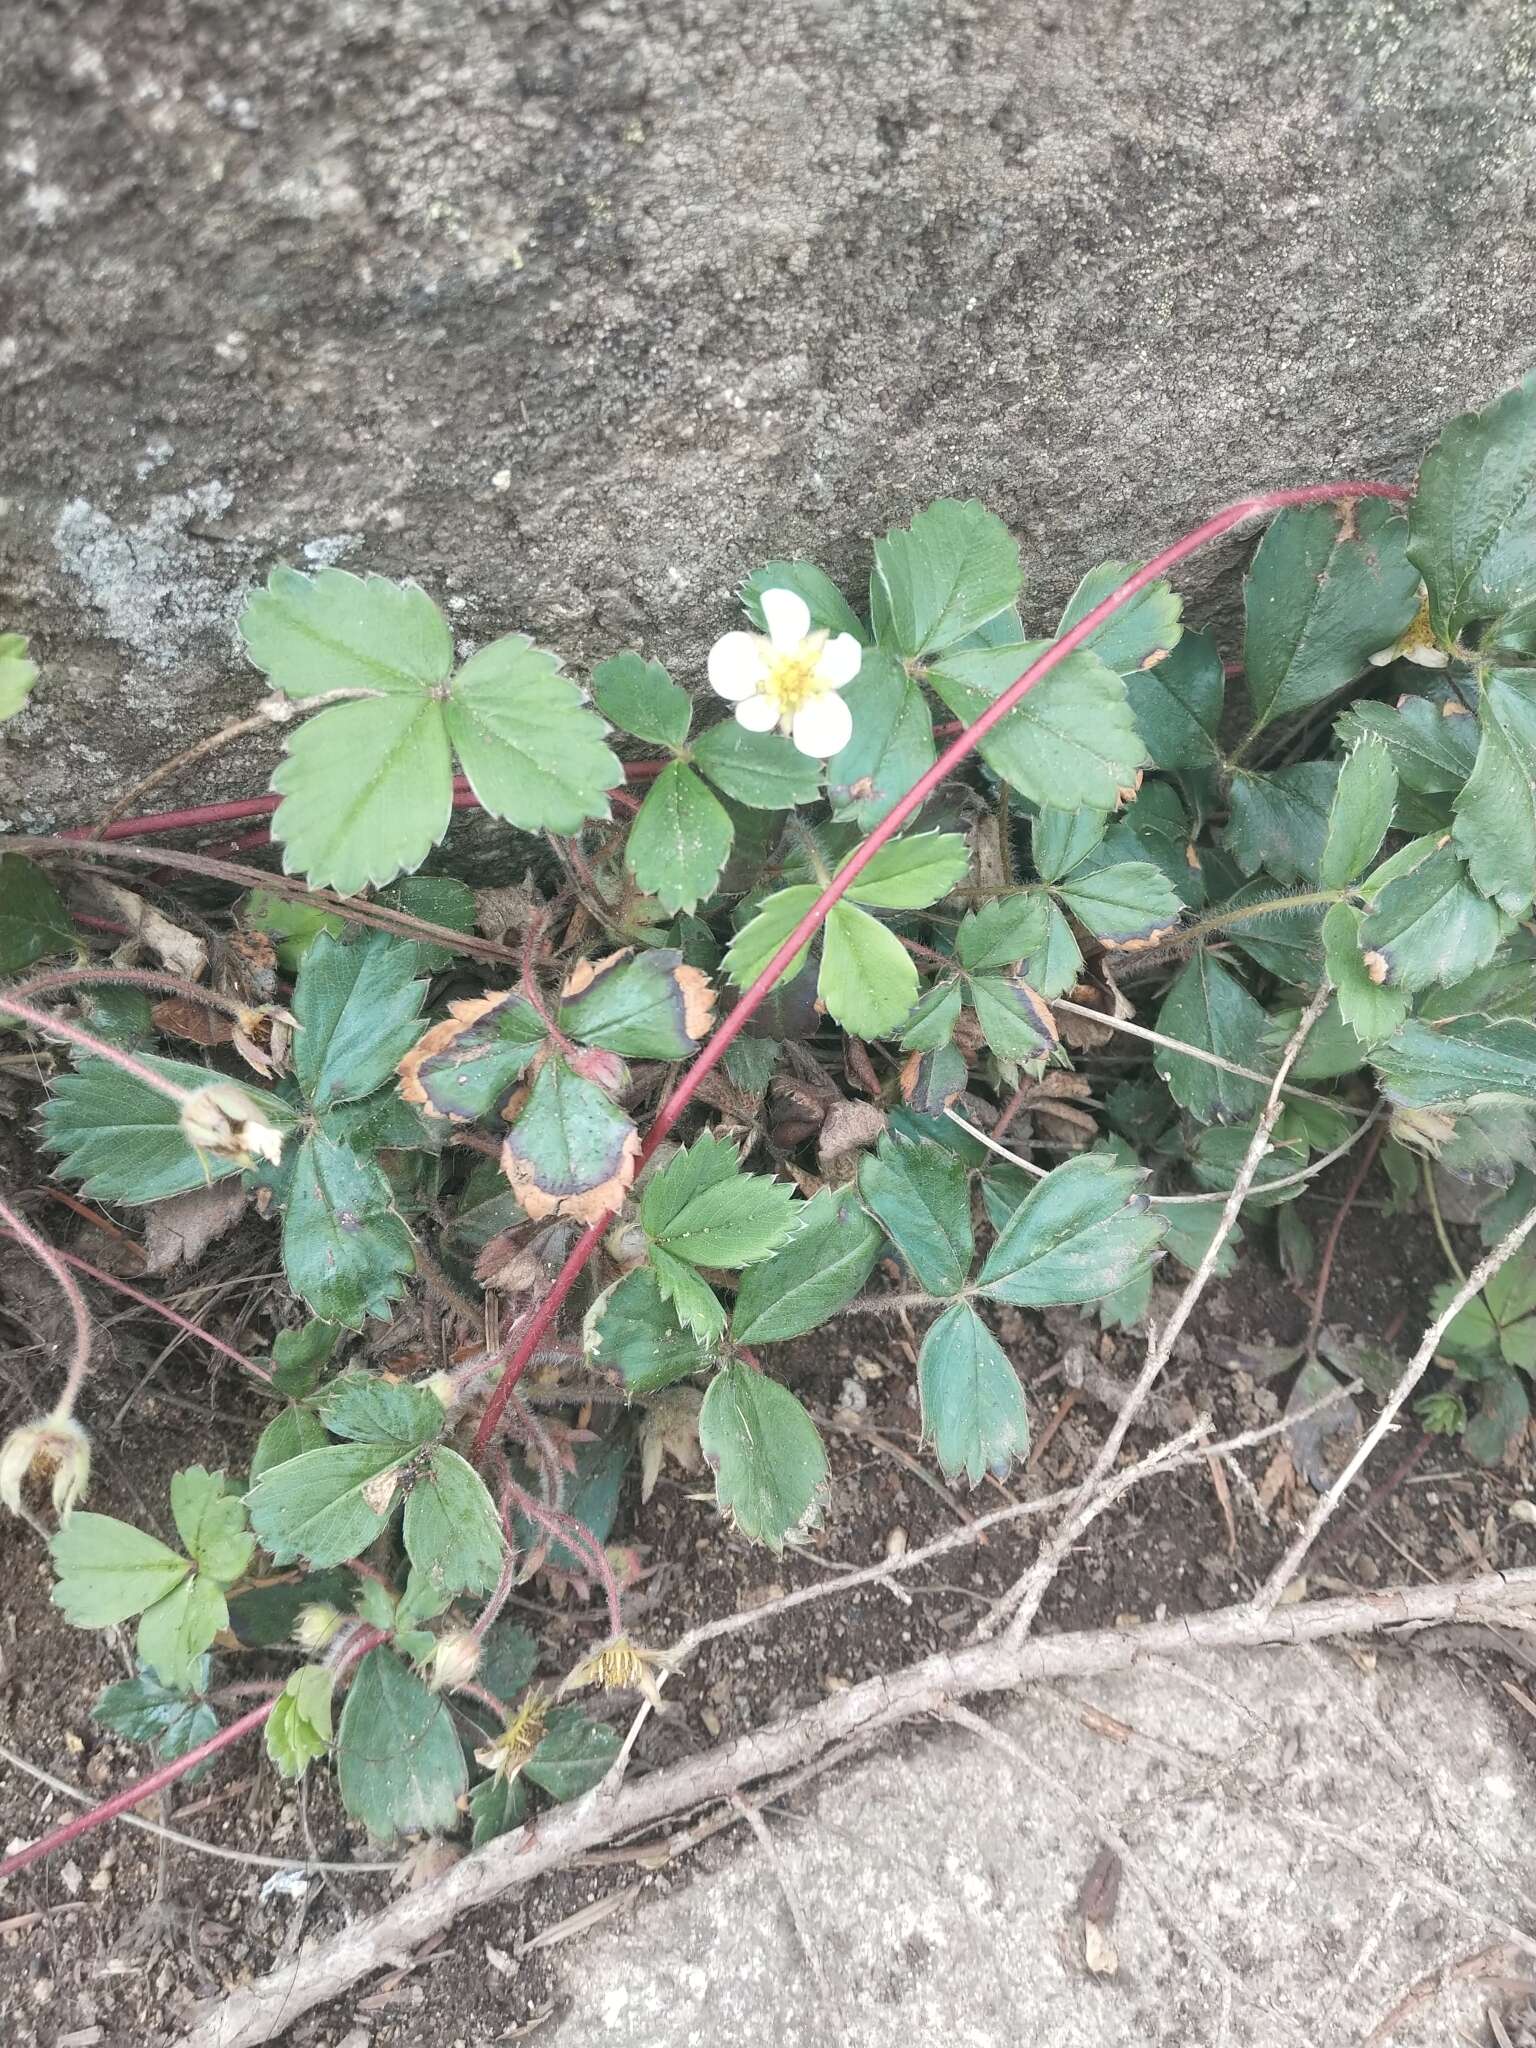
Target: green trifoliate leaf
{"x":465,"y":1065}
{"x":1082,"y":1233}
{"x":109,"y":1571}
{"x":1495,"y":827}
{"x":1472,"y":1059}
{"x":1330,"y":586}
{"x":1070,"y":742}
{"x":769,"y":1463}
{"x":1177,"y":705}
{"x":572,"y":1150}
{"x":291,"y":1433}
{"x":337,"y":631}
{"x":1209,"y":1009}
{"x":173,"y":1720}
{"x":1370,"y":1009}
{"x":122,"y":1139}
{"x":939,"y":579}
{"x":1124,"y":905}
{"x":1015,"y":1020}
{"x":1003,"y":932}
{"x":574,"y":1757}
{"x":366,"y":1410}
{"x":763,"y":770}
{"x":211,"y":1523}
{"x":703,"y":1209}
{"x":640,"y":697}
{"x":761,"y":937}
{"x":1427,"y":922}
{"x":892,"y":744}
{"x":694,"y":1302}
{"x":933,"y":1020}
{"x":367,"y":791}
{"x":298,"y":1731}
{"x":1473,"y":518}
{"x":830,"y":611}
{"x":356,"y":1003}
{"x":345,"y":1251}
{"x":643,"y":1006}
{"x":817,"y":1273}
{"x":452,"y":1530}
{"x":679,"y":841}
{"x":399,"y":1767}
{"x":972,"y":1403}
{"x":1279,"y":822}
{"x":174,"y":1633}
{"x":1501,"y":1318}
{"x":533,"y":752}
{"x":867,"y":980}
{"x":911,"y":873}
{"x":1060,"y":839}
{"x":17,"y":674}
{"x":632,"y":1330}
{"x":1433,"y":746}
{"x":1141,"y":634}
{"x":33,"y":920}
{"x":327,"y":1505}
{"x":1361,"y":816}
{"x":921,"y":1196}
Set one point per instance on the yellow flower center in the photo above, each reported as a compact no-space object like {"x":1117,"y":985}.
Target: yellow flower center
{"x":791,"y":680}
{"x":1420,"y":633}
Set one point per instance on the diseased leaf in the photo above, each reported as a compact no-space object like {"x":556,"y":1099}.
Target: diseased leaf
{"x":1128,"y":904}
{"x":701,"y":1208}
{"x":337,"y":631}
{"x":1140,"y":635}
{"x":1209,"y":1009}
{"x":769,"y":1463}
{"x":1370,"y":1009}
{"x":867,"y":980}
{"x":1081,"y":1233}
{"x":121,"y":1139}
{"x":932,"y":1021}
{"x":1070,"y":742}
{"x":109,"y":1571}
{"x":574,"y":1757}
{"x":633,"y":1331}
{"x":892,"y":744}
{"x":1495,"y":829}
{"x":452,"y":1530}
{"x":298,"y":1731}
{"x":972,"y":1403}
{"x":912,"y":872}
{"x":679,"y":841}
{"x":533,"y":752}
{"x":399,"y":1767}
{"x":818,"y":1272}
{"x":326,"y":1505}
{"x":830,"y":611}
{"x":1361,"y":817}
{"x":345,"y":1251}
{"x":920,"y":1194}
{"x":1178,"y":704}
{"x":1427,"y":922}
{"x":356,"y":1003}
{"x":1015,"y":1021}
{"x":763,"y":770}
{"x":464,"y":1065}
{"x":1473,"y":517}
{"x":640,"y":697}
{"x":643,"y":1006}
{"x":571,"y":1150}
{"x":33,"y":920}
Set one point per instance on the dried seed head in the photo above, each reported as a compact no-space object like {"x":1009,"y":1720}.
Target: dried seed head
{"x":55,"y":1453}
{"x":514,"y":1747}
{"x":222,"y":1120}
{"x":619,"y":1666}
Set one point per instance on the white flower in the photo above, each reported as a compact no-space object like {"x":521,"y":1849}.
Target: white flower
{"x":791,"y":678}
{"x":1416,"y":644}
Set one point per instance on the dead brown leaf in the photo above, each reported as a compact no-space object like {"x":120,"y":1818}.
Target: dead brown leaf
{"x":179,"y":1230}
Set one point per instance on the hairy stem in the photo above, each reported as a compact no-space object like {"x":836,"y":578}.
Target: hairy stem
{"x":133,"y":977}
{"x":46,"y":1255}
{"x":85,"y":1041}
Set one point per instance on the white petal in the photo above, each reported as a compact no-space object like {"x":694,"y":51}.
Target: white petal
{"x":823,"y":727}
{"x":1384,"y":655}
{"x":736,"y":665}
{"x":757,"y":714}
{"x":839,"y":661}
{"x":1427,"y":657}
{"x":787,"y":617}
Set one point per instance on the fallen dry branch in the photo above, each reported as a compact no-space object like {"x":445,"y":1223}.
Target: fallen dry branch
{"x":259,"y":2012}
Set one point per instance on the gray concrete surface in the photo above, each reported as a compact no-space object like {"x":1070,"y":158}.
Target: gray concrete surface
{"x":581,"y":308}
{"x":1323,"y":1838}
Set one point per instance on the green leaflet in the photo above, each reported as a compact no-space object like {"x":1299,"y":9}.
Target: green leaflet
{"x":367,"y":792}
{"x":1141,"y":634}
{"x":1370,"y":1009}
{"x":1070,"y":742}
{"x":1361,"y":817}
{"x":291,"y":1433}
{"x":762,"y":770}
{"x":769,"y":1463}
{"x":867,"y":980}
{"x":937,"y":580}
{"x":912,"y":872}
{"x":452,"y":1530}
{"x":1207,"y":1007}
{"x":892,"y":744}
{"x":399,"y":1767}
{"x":174,"y":1633}
{"x":298,"y":1731}
{"x":210,"y":1521}
{"x":337,"y":631}
{"x":761,"y":937}
{"x":344,"y":1248}
{"x":366,"y":1410}
{"x":1427,"y":922}
{"x":701,"y":1208}
{"x":1059,"y":840}
{"x":972,"y":1403}
{"x":1280,"y":822}
{"x":122,"y":1140}
{"x":640,"y":697}
{"x":921,"y":1197}
{"x":109,"y":1571}
{"x":1502,"y":1318}
{"x":1330,"y":585}
{"x":33,"y":920}
{"x":326,"y":1505}
{"x":1433,"y":746}
{"x":172,"y":1719}
{"x":17,"y":675}
{"x":356,"y":1004}
{"x":932,"y":1021}
{"x":1473,"y":517}
{"x":574,"y":1757}
{"x":680,"y":840}
{"x":633,"y":1331}
{"x":1003,"y":932}
{"x":1080,"y":1234}
{"x":818,"y":1272}
{"x":693,"y":1300}
{"x":1495,"y":829}
{"x":496,"y":1806}
{"x":1124,"y":905}
{"x":1471,"y":1059}
{"x":1178,"y":704}
{"x":533,"y":753}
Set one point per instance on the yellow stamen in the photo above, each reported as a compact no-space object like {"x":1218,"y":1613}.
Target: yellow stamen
{"x":792,"y":681}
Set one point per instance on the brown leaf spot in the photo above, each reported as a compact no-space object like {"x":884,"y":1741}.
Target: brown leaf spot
{"x":461,"y":1015}
{"x":1377,"y":966}
{"x":698,"y":1002}
{"x":586,"y":1205}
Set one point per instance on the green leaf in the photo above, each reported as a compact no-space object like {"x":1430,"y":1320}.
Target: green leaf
{"x":1473,"y":517}
{"x":345,"y":1251}
{"x":436,"y":899}
{"x":1178,"y":704}
{"x":121,"y":1139}
{"x":701,"y":1208}
{"x":1501,"y":1318}
{"x":1015,"y":1021}
{"x":108,"y":1570}
{"x":892,"y":744}
{"x":592,"y":1497}
{"x":367,"y":791}
{"x":1003,"y":932}
{"x":1280,"y":822}
{"x":867,"y":980}
{"x":574,"y":1757}
{"x":1502,"y":1418}
{"x":1140,"y":635}
{"x":830,"y":611}
{"x":1070,"y":742}
{"x":931,"y":1081}
{"x":322,"y":1505}
{"x":937,"y":580}
{"x":533,"y":752}
{"x":174,"y":1633}
{"x":761,"y":937}
{"x":1428,"y":923}
{"x":298,"y":1731}
{"x":211,"y":1523}
{"x":763,"y":770}
{"x":679,"y":841}
{"x":174,"y":1721}
{"x":17,"y":674}
{"x":972,"y":1403}
{"x":1361,"y":816}
{"x":509,"y":1657}
{"x":1495,"y":827}
{"x":33,"y":920}
{"x":291,"y":1433}
{"x":300,"y":1356}
{"x":1059,"y":840}
{"x":818,"y":1272}
{"x":694,"y":1302}
{"x":572,"y":1150}
{"x":640,"y":697}
{"x":1370,"y":1009}
{"x":911,"y":873}
{"x":1081,"y":1233}
{"x":452,"y":1530}
{"x":393,"y":1414}
{"x":769,"y":1463}
{"x":1472,"y":1059}
{"x":1433,"y":746}
{"x":496,"y":1807}
{"x":356,"y":1004}
{"x":632,"y":1331}
{"x":1330,"y":586}
{"x":1124,"y":905}
{"x":337,"y":631}
{"x":931,"y":1024}
{"x":1217,"y":1155}
{"x":464,"y":1066}
{"x":643,"y":1006}
{"x":1209,"y":1009}
{"x":264,"y":1616}
{"x":399,"y":1767}
{"x":921,"y":1196}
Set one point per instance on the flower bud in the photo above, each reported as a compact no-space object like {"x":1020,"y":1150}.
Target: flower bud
{"x":455,"y":1661}
{"x":315,"y":1624}
{"x":221,"y":1119}
{"x":56,"y":1450}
